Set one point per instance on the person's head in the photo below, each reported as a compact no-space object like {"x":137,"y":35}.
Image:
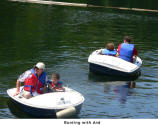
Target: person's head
{"x":39,"y":68}
{"x":127,"y":39}
{"x":110,"y":46}
{"x":55,"y":77}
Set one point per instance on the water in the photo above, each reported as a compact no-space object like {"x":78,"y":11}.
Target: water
{"x":63,"y":37}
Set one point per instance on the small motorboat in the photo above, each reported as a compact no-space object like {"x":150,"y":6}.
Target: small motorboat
{"x":111,"y":65}
{"x":52,"y":104}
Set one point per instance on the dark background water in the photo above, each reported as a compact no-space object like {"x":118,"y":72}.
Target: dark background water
{"x":63,"y":37}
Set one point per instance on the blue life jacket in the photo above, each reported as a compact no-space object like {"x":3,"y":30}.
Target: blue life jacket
{"x":50,"y":82}
{"x":126,"y":51}
{"x":42,"y":77}
{"x":109,"y":52}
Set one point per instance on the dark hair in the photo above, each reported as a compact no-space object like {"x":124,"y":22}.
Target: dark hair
{"x":56,"y":75}
{"x":110,"y":46}
{"x":127,"y":39}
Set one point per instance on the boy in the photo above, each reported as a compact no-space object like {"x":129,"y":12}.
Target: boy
{"x":109,"y":50}
{"x":55,"y":84}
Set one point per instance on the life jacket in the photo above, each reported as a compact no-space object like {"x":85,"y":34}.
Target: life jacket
{"x":33,"y":83}
{"x":56,"y":86}
{"x":126,"y":51}
{"x":110,"y":52}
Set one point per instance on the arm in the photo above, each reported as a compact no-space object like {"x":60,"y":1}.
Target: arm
{"x":46,"y":85}
{"x":17,"y":88}
{"x":50,"y":84}
{"x":135,"y":53}
{"x":101,"y":52}
{"x":118,"y":50}
{"x":21,"y":79}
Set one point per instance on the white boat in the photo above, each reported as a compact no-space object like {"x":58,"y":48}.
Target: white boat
{"x":52,"y":104}
{"x":111,"y":65}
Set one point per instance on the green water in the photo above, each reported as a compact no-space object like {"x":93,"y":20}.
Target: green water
{"x":63,"y":37}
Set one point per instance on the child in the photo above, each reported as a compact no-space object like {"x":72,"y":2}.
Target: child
{"x":54,"y":84}
{"x":109,"y":50}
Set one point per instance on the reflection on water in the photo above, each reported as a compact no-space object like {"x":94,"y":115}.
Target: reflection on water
{"x":123,"y":91}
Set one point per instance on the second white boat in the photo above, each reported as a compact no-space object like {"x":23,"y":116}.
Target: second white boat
{"x":111,"y":65}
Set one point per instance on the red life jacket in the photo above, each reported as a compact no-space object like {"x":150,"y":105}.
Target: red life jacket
{"x":58,"y":85}
{"x":33,"y":84}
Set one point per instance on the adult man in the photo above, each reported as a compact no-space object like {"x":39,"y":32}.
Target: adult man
{"x":34,"y":81}
{"x":127,"y":50}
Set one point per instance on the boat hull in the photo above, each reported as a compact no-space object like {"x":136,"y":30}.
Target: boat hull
{"x":33,"y":112}
{"x":98,"y":69}
{"x":48,"y":105}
